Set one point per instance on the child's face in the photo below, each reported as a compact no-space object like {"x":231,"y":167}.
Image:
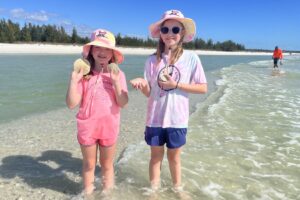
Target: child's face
{"x":102,"y":55}
{"x":171,"y":32}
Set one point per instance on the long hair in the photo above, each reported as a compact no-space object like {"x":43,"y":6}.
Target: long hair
{"x":176,"y":53}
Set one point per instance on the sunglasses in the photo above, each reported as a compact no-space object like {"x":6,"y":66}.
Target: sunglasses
{"x":165,"y":30}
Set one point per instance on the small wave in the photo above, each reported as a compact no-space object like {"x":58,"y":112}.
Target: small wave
{"x":261,"y":63}
{"x":279,"y":176}
{"x":212,"y":190}
{"x":220,"y":82}
{"x":295,"y":57}
{"x":129,"y":152}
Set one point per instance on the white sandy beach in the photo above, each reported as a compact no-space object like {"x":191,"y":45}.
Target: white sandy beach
{"x":6,"y":48}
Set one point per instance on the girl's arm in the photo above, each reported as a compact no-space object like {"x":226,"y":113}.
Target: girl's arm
{"x":121,"y":96}
{"x":193,"y":88}
{"x":141,"y":84}
{"x":73,"y":98}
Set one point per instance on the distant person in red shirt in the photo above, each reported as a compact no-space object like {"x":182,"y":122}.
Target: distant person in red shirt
{"x":277,"y":54}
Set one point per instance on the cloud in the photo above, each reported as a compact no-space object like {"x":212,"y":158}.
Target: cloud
{"x":40,"y":16}
{"x":82,"y":30}
{"x":44,"y":17}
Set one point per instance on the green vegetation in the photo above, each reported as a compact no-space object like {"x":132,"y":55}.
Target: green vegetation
{"x":11,"y":32}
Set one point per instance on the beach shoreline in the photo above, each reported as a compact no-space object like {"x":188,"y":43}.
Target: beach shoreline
{"x":40,"y":48}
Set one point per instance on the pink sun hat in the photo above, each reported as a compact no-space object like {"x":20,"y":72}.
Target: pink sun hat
{"x":189,"y":25}
{"x":103,"y":38}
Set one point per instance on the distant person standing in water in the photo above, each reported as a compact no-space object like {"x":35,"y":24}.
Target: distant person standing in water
{"x":277,"y":54}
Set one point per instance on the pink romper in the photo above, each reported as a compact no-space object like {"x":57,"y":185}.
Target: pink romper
{"x":98,"y":118}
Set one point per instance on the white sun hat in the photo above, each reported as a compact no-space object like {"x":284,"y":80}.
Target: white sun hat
{"x":189,"y":25}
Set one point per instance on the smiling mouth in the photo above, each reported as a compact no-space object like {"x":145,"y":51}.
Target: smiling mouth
{"x":171,"y":38}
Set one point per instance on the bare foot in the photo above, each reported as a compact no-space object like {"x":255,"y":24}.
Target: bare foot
{"x":106,"y":194}
{"x":183,"y":195}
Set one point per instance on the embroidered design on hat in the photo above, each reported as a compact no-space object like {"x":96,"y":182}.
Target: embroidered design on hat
{"x":174,"y":12}
{"x":101,"y":33}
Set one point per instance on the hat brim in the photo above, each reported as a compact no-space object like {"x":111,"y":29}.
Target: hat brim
{"x":117,"y":53}
{"x":189,"y":26}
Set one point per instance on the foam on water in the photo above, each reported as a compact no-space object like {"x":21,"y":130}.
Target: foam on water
{"x":255,"y":124}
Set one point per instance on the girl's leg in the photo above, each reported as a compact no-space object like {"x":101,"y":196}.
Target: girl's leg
{"x":157,"y":155}
{"x":175,"y":166}
{"x":107,"y":166}
{"x":89,"y":154}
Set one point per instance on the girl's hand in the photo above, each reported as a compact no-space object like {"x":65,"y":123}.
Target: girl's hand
{"x":114,"y":71}
{"x":169,"y":84}
{"x":115,"y":76}
{"x":77,"y":76}
{"x":138,"y":83}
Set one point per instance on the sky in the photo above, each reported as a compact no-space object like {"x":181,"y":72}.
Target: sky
{"x":257,"y":24}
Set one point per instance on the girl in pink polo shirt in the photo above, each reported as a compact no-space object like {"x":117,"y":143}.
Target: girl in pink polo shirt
{"x":169,"y":76}
{"x":101,"y":94}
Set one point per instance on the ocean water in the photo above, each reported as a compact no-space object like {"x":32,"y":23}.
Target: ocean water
{"x":243,"y":140}
{"x":244,"y":135}
{"x":33,"y":84}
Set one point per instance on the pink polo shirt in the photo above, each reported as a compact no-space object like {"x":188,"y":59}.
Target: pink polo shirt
{"x":99,"y":114}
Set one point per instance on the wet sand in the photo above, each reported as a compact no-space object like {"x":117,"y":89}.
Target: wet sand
{"x":41,"y":159}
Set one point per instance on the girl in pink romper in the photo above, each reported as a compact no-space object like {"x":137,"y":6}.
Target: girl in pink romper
{"x":101,"y":94}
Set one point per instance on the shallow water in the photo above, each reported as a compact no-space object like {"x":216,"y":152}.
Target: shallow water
{"x":243,"y":140}
{"x":34,"y":84}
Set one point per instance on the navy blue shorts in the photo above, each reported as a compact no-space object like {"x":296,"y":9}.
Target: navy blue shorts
{"x":173,"y":137}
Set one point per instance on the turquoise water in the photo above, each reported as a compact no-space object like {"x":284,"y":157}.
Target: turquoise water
{"x":32,"y":84}
{"x":244,"y":135}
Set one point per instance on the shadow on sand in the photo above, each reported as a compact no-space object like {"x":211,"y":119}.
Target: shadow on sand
{"x":50,"y":170}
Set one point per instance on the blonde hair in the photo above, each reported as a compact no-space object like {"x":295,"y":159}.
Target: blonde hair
{"x":175,"y":54}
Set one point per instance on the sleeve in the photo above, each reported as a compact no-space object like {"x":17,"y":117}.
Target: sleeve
{"x":198,"y":75}
{"x":123,"y":82}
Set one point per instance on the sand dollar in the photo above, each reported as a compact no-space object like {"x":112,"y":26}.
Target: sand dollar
{"x":162,"y":74}
{"x":162,"y":77}
{"x":82,"y":63}
{"x":114,"y":68}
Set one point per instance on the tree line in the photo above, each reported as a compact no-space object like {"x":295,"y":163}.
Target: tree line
{"x":12,"y":32}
